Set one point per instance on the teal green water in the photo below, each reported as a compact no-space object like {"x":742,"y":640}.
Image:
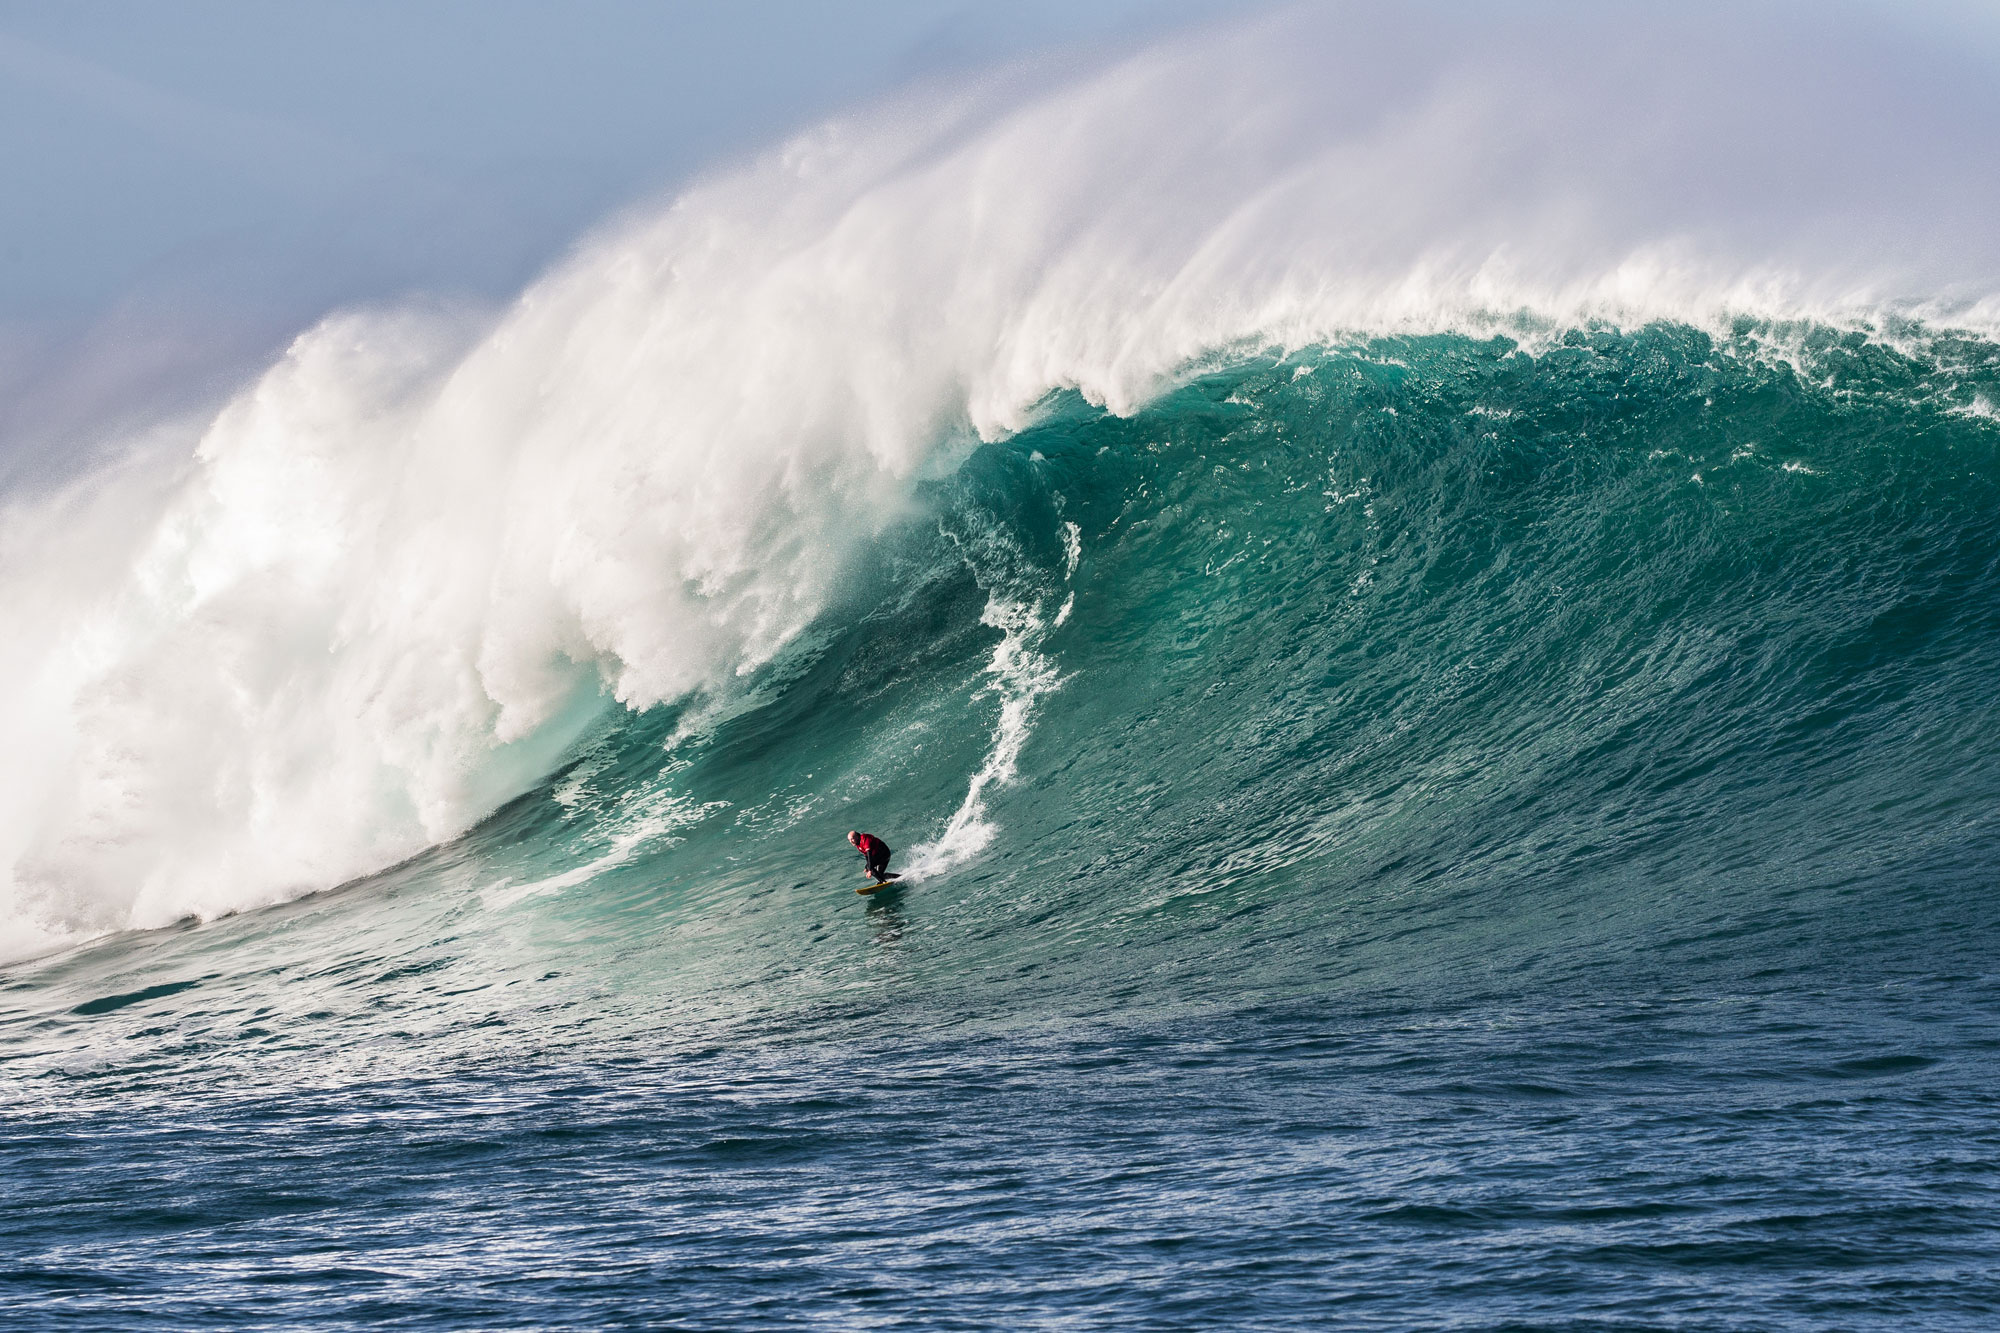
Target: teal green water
{"x":1478,"y":834}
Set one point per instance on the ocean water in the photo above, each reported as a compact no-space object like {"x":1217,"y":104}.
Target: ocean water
{"x":1482,"y":815}
{"x":1495,"y":837}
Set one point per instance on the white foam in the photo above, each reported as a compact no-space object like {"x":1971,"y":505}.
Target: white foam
{"x":1020,"y":674}
{"x":647,"y":820}
{"x":405,"y":568}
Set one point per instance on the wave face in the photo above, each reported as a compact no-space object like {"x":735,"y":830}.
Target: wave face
{"x":1428,"y":659}
{"x":402,"y":572}
{"x":1526,"y":811}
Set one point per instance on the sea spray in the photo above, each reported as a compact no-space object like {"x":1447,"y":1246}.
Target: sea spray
{"x":419,"y":558}
{"x":1446,"y":555}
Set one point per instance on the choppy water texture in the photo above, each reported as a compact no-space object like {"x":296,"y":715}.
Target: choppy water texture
{"x":1436,"y":832}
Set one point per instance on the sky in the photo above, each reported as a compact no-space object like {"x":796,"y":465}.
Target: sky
{"x":188,"y":184}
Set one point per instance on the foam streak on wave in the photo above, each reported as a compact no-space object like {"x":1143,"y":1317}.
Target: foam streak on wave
{"x":1021,"y":674}
{"x":406,"y":568}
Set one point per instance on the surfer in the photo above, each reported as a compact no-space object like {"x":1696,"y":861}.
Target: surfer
{"x":875,"y":855}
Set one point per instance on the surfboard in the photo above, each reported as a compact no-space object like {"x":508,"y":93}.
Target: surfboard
{"x":877,"y":886}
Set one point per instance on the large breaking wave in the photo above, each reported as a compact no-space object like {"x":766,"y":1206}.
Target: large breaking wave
{"x":430,"y":553}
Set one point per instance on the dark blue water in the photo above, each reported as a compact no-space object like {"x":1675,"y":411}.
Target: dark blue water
{"x":1797,"y":1161}
{"x":1435,"y":833}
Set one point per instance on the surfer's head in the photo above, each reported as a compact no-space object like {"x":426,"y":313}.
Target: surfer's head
{"x":854,"y":837}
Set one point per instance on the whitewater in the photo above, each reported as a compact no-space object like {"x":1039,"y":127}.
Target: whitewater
{"x":1415,"y":590}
